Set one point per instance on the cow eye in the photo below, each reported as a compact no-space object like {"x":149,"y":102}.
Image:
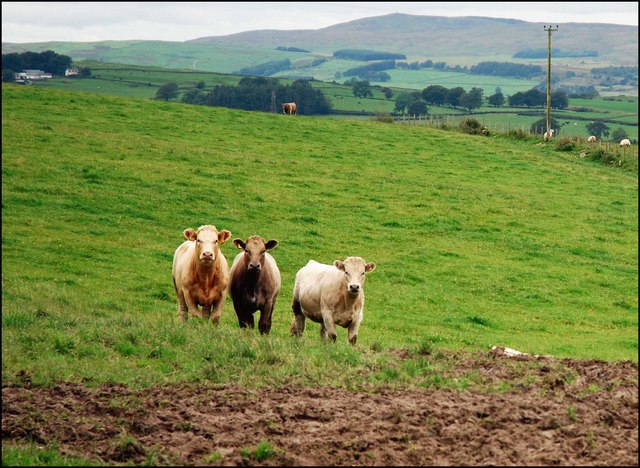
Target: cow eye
{"x":363,"y":273}
{"x":199,"y":241}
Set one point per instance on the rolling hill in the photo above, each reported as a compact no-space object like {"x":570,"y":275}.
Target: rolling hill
{"x":462,"y":41}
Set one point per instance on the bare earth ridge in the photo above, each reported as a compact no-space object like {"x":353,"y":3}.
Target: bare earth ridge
{"x":572,"y":412}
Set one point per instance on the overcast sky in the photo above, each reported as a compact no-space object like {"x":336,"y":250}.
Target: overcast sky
{"x":172,"y":21}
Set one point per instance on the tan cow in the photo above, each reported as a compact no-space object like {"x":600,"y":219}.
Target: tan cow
{"x":625,"y":142}
{"x":592,"y":139}
{"x":289,"y":108}
{"x":201,"y":273}
{"x":330,"y":295}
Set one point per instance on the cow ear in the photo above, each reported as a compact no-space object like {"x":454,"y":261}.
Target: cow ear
{"x":272,"y":244}
{"x":223,"y":236}
{"x":369,"y":267}
{"x":190,"y":234}
{"x":339,"y":264}
{"x":239,"y":243}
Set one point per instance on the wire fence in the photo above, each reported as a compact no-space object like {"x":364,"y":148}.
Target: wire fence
{"x":501,"y":127}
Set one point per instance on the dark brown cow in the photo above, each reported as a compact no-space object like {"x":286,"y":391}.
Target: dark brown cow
{"x":289,"y":108}
{"x":254,"y":282}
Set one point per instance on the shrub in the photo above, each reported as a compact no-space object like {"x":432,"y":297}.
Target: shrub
{"x":383,"y":117}
{"x":471,"y":126}
{"x":565,"y":144}
{"x":602,"y":155}
{"x":518,"y":134}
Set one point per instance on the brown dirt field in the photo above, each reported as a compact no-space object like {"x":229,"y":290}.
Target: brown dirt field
{"x":554,"y":412}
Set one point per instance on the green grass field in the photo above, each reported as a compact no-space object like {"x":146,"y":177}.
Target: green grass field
{"x":478,"y":241}
{"x":144,"y":81}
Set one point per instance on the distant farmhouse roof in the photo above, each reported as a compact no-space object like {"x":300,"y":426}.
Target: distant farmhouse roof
{"x":32,"y":75}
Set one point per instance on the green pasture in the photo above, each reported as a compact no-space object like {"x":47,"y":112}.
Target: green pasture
{"x":144,"y":81}
{"x":221,"y":58}
{"x":479,"y":241}
{"x":420,"y":79}
{"x":329,"y":70}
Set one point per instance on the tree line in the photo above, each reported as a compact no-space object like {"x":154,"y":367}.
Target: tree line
{"x":366,"y":55}
{"x":48,"y":61}
{"x":517,"y":70}
{"x":253,"y":94}
{"x":542,"y":53}
{"x":438,"y":95}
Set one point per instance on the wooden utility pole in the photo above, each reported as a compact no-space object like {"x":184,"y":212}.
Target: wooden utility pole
{"x":549,"y":29}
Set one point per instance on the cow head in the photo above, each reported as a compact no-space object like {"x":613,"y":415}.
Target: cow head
{"x":354,"y":269}
{"x":254,"y":250}
{"x":208,"y":241}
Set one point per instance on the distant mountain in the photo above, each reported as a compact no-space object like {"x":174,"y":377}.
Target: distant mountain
{"x":456,"y":42}
{"x":424,"y":37}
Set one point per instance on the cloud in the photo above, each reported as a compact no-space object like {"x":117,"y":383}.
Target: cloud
{"x":171,"y":21}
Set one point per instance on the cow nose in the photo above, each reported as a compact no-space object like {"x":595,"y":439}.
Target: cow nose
{"x":206,"y":255}
{"x":254,"y":266}
{"x":354,"y":288}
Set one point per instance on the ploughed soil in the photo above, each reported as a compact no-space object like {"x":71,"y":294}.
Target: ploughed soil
{"x":523,"y":410}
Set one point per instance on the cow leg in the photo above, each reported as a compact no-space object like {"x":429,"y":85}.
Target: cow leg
{"x":191,"y":304}
{"x":353,"y":328}
{"x":264,"y":324}
{"x":240,"y":308}
{"x":328,"y":329}
{"x":183,"y":311}
{"x":245,"y":319}
{"x":216,"y":311}
{"x":297,"y":326}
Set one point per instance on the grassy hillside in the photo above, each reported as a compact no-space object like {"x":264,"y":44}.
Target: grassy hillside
{"x":142,"y":81}
{"x":478,"y":241}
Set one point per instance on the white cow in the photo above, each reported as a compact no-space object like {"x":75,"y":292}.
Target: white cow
{"x":625,"y":142}
{"x":330,"y":295}
{"x":592,"y":139}
{"x":549,"y":135}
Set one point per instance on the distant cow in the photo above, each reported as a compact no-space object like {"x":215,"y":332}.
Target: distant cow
{"x":592,"y":139}
{"x":254,"y":282}
{"x":201,"y":273}
{"x":330,"y":295}
{"x":289,"y":108}
{"x":625,"y":142}
{"x":549,"y":134}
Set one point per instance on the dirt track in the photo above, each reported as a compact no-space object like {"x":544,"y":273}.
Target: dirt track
{"x":589,"y":419}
